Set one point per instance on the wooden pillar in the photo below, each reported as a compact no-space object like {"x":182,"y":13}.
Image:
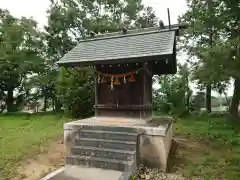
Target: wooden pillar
{"x":96,"y":94}
{"x":144,"y":91}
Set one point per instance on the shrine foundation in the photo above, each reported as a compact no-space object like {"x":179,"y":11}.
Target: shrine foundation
{"x":154,"y":137}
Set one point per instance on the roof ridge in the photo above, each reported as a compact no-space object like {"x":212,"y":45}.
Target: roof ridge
{"x":121,"y":35}
{"x":173,"y":26}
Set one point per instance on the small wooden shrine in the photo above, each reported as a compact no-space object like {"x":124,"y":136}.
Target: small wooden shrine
{"x":125,"y":63}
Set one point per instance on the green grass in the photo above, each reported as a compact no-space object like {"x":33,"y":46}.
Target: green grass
{"x":22,"y":135}
{"x":211,"y":148}
{"x":207,"y":147}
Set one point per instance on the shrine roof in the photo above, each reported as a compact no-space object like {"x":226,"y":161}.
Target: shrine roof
{"x":120,"y":48}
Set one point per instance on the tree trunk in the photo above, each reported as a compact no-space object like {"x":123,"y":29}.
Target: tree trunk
{"x":209,"y":86}
{"x":53,"y":104}
{"x":209,"y":98}
{"x":9,"y":101}
{"x":188,"y":98}
{"x":235,"y":99}
{"x":58,"y":105}
{"x":45,"y":104}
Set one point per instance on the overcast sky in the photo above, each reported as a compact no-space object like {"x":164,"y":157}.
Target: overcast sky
{"x":37,"y":10}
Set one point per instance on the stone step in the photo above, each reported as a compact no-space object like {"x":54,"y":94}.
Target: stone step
{"x":109,"y":135}
{"x":103,"y":152}
{"x":71,"y":172}
{"x":109,"y":128}
{"x":104,"y":143}
{"x":98,"y":162}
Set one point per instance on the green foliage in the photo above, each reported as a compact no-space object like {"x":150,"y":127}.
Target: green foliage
{"x":174,"y":94}
{"x":132,"y":178}
{"x":212,"y":40}
{"x":44,"y":85}
{"x":20,"y":54}
{"x":75,"y":89}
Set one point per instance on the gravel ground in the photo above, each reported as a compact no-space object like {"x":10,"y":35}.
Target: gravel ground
{"x":144,"y":173}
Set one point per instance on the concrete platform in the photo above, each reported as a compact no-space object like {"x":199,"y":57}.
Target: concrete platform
{"x":140,"y":126}
{"x":120,"y":121}
{"x":83,"y":173}
{"x":153,"y":141}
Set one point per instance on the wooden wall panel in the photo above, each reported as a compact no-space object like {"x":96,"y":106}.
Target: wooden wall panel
{"x":128,"y":99}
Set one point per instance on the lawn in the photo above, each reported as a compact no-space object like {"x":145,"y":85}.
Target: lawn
{"x":22,"y":135}
{"x":207,"y":147}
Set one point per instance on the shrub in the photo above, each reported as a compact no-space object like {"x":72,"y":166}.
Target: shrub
{"x":75,"y":89}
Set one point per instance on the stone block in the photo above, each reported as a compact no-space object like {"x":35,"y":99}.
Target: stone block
{"x":111,"y":128}
{"x":97,"y":162}
{"x":110,"y":144}
{"x":108,"y":135}
{"x":153,"y":150}
{"x":103,"y":152}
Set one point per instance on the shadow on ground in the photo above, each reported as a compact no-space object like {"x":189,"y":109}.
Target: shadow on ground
{"x":174,"y":159}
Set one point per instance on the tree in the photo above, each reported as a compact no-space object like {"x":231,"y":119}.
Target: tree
{"x":71,"y":21}
{"x":78,"y":97}
{"x":174,"y":94}
{"x":20,"y":55}
{"x":232,"y":29}
{"x":204,"y":23}
{"x":226,"y":55}
{"x":44,"y":86}
{"x":215,"y":44}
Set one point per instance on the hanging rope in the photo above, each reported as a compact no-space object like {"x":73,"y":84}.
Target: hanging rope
{"x":115,"y":78}
{"x":119,"y":75}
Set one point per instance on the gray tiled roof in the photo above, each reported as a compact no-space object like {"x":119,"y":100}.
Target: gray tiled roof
{"x":151,"y":43}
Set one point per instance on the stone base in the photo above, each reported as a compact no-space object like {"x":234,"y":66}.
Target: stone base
{"x":153,"y":140}
{"x":153,"y":150}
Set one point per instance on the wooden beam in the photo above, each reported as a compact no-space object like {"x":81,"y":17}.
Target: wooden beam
{"x":149,"y":73}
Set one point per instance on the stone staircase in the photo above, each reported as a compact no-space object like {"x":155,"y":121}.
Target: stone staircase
{"x":112,"y":148}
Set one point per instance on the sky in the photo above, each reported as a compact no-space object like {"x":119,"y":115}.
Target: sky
{"x":37,"y":9}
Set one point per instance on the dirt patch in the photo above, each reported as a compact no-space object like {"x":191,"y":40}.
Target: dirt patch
{"x":50,"y":159}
